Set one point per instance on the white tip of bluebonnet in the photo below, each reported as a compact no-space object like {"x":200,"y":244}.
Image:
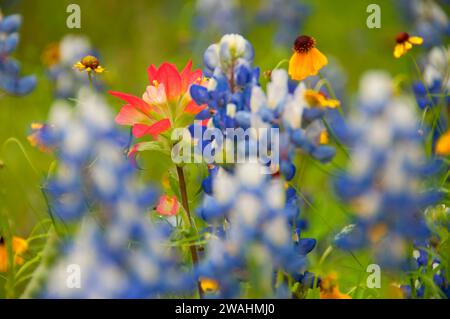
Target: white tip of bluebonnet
{"x":402,"y":114}
{"x":94,"y":110}
{"x":247,"y":209}
{"x":277,"y":231}
{"x":250,"y":174}
{"x":258,"y":99}
{"x":293,"y":111}
{"x":375,"y":88}
{"x":77,"y":139}
{"x":277,"y":88}
{"x":231,"y":110}
{"x":275,"y":195}
{"x":60,"y":114}
{"x":223,"y":186}
{"x":73,"y":48}
{"x":234,"y":46}
{"x":211,"y":57}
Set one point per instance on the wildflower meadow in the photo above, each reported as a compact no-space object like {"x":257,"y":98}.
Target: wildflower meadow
{"x":208,"y":149}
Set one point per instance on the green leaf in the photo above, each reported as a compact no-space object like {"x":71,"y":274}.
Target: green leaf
{"x":154,"y":146}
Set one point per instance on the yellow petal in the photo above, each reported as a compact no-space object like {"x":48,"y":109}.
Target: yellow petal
{"x":79,"y":66}
{"x":332,"y":103}
{"x":443,"y":144}
{"x":399,"y":50}
{"x":319,"y":60}
{"x":309,"y":65}
{"x":297,"y":66}
{"x":3,"y":259}
{"x":323,"y":137}
{"x":415,"y":40}
{"x":407,"y":45}
{"x":36,"y":126}
{"x":208,"y":284}
{"x":19,"y":246}
{"x":99,"y":69}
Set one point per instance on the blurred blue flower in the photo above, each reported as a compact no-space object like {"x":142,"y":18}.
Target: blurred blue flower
{"x":295,"y":114}
{"x":10,"y":80}
{"x":428,"y":19}
{"x":257,"y":219}
{"x":383,"y":182}
{"x":122,"y":254}
{"x":289,"y":17}
{"x":217,"y":16}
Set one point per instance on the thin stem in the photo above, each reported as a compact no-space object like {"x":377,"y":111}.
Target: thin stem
{"x":330,"y":90}
{"x":336,"y":139}
{"x":333,"y":96}
{"x":185,"y":203}
{"x":422,"y":79}
{"x":280,"y":63}
{"x":90,"y":80}
{"x":24,"y":152}
{"x":435,"y":110}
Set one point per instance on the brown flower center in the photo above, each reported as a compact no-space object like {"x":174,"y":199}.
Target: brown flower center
{"x":90,"y":61}
{"x":304,"y":43}
{"x":402,"y":37}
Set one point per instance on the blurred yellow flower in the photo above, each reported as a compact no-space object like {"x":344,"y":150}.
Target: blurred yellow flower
{"x":320,"y":99}
{"x":19,"y":246}
{"x":443,"y":144}
{"x":323,"y":137}
{"x":208,"y":284}
{"x":329,"y":288}
{"x":405,"y":42}
{"x":307,"y":60}
{"x":51,"y":55}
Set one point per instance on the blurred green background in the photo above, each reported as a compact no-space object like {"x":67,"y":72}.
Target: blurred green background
{"x":130,"y":35}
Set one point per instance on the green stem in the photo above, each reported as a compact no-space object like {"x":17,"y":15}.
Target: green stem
{"x":40,"y":274}
{"x":22,"y":149}
{"x":280,"y":63}
{"x":185,"y":203}
{"x":336,"y":139}
{"x":422,"y":79}
{"x":437,"y":113}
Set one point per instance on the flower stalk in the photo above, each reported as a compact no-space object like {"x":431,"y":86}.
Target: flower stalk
{"x":185,"y":203}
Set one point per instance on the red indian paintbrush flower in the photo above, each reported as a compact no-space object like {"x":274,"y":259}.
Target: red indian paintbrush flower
{"x":165,"y":104}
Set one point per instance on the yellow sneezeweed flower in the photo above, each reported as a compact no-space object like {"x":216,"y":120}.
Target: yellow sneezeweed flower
{"x":329,"y":288}
{"x":405,"y":43}
{"x":19,"y":246}
{"x":395,"y":291}
{"x":307,"y":60}
{"x":51,"y":55}
{"x":320,"y":99}
{"x":208,"y":285}
{"x":89,"y":64}
{"x":443,"y":144}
